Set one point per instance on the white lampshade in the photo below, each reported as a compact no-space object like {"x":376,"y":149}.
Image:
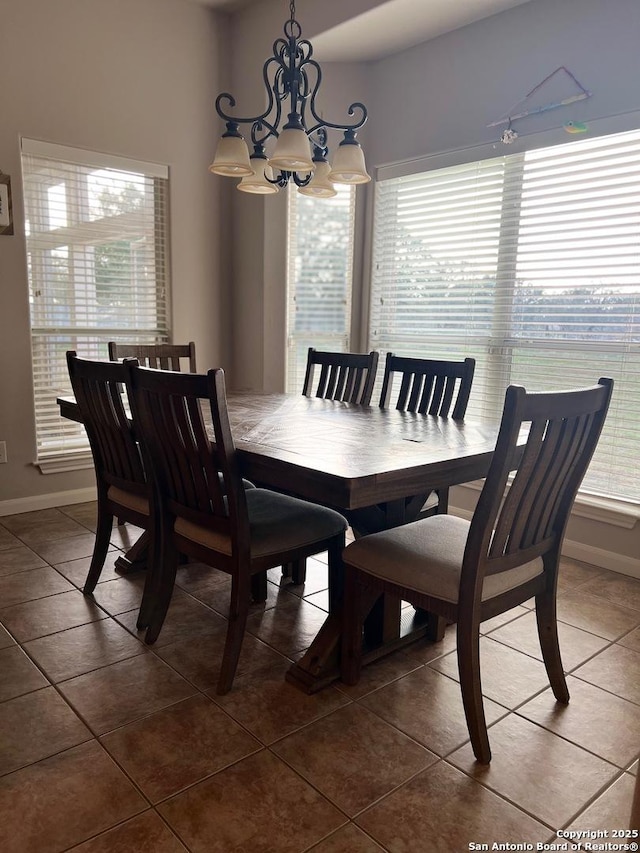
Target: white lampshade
{"x":258,"y":183}
{"x":348,"y":164}
{"x":232,"y":157}
{"x":292,"y":152}
{"x":319,"y":186}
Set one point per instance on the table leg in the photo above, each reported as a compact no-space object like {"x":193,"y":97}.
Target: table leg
{"x":135,"y":560}
{"x":320,"y":665}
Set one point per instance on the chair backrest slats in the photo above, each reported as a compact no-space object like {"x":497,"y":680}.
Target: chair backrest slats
{"x":157,"y":356}
{"x":97,"y":387}
{"x":428,"y":386}
{"x":197,"y":477}
{"x":345,"y":376}
{"x":563,"y":431}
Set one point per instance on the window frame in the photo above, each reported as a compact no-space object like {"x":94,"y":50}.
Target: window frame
{"x":609,"y":508}
{"x":83,"y":235}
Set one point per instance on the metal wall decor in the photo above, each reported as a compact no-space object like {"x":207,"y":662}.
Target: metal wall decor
{"x":510,"y":135}
{"x":300,"y":146}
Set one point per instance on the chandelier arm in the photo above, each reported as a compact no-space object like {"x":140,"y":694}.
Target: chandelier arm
{"x":281,"y":180}
{"x":322,"y":122}
{"x":301,"y":182}
{"x":252,"y":119}
{"x":357,"y":105}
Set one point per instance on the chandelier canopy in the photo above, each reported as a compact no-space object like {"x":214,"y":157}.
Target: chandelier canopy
{"x":300,"y":152}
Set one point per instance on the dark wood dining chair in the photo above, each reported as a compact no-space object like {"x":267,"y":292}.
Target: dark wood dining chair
{"x":433,"y":387}
{"x":345,"y":376}
{"x":160,"y":356}
{"x":122,"y":487}
{"x":467,"y":572}
{"x":348,"y":377}
{"x":204,"y":510}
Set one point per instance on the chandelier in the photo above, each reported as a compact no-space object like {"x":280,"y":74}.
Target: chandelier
{"x":300,"y":152}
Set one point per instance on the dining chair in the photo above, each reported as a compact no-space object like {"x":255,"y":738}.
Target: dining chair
{"x":345,"y":376}
{"x":348,"y":377}
{"x":160,"y":356}
{"x":122,"y":487}
{"x":428,"y":386}
{"x":205,"y":512}
{"x":467,"y":572}
{"x":634,"y":819}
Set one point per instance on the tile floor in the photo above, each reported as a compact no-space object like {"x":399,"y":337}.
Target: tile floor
{"x":109,"y":745}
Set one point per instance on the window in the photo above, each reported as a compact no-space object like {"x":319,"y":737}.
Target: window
{"x":96,"y":255}
{"x":531,"y":264}
{"x":320,"y":273}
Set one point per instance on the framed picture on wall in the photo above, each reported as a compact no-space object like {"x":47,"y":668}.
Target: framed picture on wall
{"x":6,"y":214}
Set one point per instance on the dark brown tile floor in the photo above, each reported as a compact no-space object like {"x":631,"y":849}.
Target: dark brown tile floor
{"x":109,"y":745}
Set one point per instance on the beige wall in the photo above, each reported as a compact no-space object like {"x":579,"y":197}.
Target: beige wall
{"x":136,"y":78}
{"x":139,"y":78}
{"x":453,"y":86}
{"x":441,"y":95}
{"x":433,"y":98}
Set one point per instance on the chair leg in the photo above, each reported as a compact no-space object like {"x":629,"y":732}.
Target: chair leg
{"x":100,"y":549}
{"x":443,"y":501}
{"x":238,"y":611}
{"x":471,"y":687}
{"x":296,"y":570}
{"x":259,"y":589}
{"x":548,"y":636}
{"x":336,"y":572}
{"x":150,"y":592}
{"x":161,"y":590}
{"x":351,"y":653}
{"x":436,"y":627}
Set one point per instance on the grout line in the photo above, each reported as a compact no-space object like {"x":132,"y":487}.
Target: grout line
{"x":270,"y":747}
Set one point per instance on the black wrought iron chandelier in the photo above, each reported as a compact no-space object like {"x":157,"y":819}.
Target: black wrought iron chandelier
{"x":300,"y":153}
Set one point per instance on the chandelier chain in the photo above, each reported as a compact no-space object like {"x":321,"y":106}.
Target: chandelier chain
{"x":292,"y":10}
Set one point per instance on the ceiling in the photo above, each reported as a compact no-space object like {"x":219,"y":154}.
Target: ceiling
{"x":399,"y":24}
{"x":391,"y":26}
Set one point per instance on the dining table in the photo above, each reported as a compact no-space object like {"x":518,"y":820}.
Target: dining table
{"x":374,"y":465}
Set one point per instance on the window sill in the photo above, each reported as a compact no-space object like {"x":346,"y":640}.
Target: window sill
{"x":65,"y":462}
{"x":614,"y":511}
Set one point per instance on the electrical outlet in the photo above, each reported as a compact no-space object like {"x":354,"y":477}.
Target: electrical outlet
{"x":3,"y":452}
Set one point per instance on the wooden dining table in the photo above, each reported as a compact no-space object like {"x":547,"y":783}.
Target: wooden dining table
{"x":372,"y":464}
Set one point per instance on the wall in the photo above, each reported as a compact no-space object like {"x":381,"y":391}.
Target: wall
{"x":439,"y":97}
{"x":136,"y":78}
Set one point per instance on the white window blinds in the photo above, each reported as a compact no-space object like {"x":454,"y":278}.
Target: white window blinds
{"x":96,"y":251}
{"x":320,"y":274}
{"x":531,"y":264}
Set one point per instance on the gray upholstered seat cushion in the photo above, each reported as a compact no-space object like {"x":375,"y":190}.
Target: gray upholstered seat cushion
{"x":277,"y":523}
{"x":140,"y":504}
{"x":427,"y":556}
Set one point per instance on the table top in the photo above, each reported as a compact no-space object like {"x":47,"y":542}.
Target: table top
{"x":354,"y":456}
{"x":349,"y":456}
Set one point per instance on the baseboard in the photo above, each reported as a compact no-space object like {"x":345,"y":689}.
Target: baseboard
{"x":574,"y":550}
{"x":53,"y":499}
{"x":585,"y":553}
{"x":604,"y":559}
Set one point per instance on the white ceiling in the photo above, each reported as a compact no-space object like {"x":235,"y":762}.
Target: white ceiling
{"x":391,"y":26}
